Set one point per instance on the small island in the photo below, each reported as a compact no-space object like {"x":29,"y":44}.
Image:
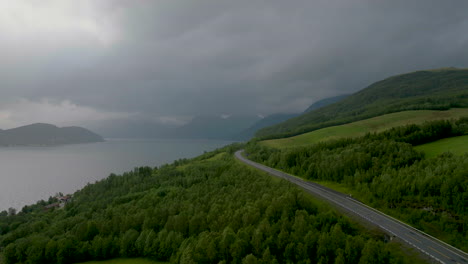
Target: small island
{"x":41,"y":134}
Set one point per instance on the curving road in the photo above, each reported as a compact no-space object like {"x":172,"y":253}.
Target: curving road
{"x":434,"y":248}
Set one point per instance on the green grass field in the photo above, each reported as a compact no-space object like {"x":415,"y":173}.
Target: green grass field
{"x":125,"y":261}
{"x":362,"y":127}
{"x":456,"y":145}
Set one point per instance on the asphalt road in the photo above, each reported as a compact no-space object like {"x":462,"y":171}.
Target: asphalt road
{"x":436,"y":249}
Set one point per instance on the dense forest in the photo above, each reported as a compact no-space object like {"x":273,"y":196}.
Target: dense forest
{"x":386,"y":172}
{"x":211,"y":209}
{"x":423,"y":90}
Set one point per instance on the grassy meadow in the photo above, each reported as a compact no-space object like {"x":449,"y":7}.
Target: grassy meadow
{"x":360,"y":128}
{"x":456,"y":145}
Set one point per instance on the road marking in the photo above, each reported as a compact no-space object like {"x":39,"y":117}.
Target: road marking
{"x":440,"y":253}
{"x":412,"y":235}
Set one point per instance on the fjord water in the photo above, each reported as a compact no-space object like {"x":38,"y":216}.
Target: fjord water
{"x":28,"y":174}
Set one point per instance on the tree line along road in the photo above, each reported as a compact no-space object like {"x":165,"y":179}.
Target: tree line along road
{"x":434,"y":248}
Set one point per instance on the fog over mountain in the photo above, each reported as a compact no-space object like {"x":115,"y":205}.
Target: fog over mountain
{"x":164,"y":62}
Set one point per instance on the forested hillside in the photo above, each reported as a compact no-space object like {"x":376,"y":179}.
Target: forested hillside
{"x":430,"y":90}
{"x":386,"y":172}
{"x":325,"y":102}
{"x":211,"y":209}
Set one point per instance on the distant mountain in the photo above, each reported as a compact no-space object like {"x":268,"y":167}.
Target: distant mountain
{"x":129,"y":128}
{"x":439,"y":89}
{"x":46,"y":134}
{"x":214,"y":127}
{"x":200,"y":127}
{"x":281,"y":117}
{"x":264,"y":122}
{"x":325,"y":102}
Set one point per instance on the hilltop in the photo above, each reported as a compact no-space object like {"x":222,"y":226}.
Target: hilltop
{"x":440,"y":89}
{"x":41,"y":134}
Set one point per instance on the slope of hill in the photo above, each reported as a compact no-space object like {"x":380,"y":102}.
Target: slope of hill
{"x":281,"y":117}
{"x":385,"y":170}
{"x":213,"y":127}
{"x":325,"y":102}
{"x":46,"y":134}
{"x":423,"y":90}
{"x":264,"y":122}
{"x":360,"y":128}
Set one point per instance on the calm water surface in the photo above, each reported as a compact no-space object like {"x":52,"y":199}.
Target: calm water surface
{"x":28,"y":174}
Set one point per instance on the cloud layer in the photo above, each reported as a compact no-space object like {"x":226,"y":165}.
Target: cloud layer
{"x":65,"y":113}
{"x":165,"y":59}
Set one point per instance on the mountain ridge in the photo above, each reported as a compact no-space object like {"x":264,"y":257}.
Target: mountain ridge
{"x":200,"y":127}
{"x":264,"y":122}
{"x":277,"y":118}
{"x":324,"y":102}
{"x":439,"y":89}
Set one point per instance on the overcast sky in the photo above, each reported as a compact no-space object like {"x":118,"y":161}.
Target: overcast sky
{"x":72,"y":62}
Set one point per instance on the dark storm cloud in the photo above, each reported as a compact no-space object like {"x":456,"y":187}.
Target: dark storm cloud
{"x":187,"y":57}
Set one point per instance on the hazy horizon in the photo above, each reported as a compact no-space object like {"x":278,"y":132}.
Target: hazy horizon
{"x":163,"y":62}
